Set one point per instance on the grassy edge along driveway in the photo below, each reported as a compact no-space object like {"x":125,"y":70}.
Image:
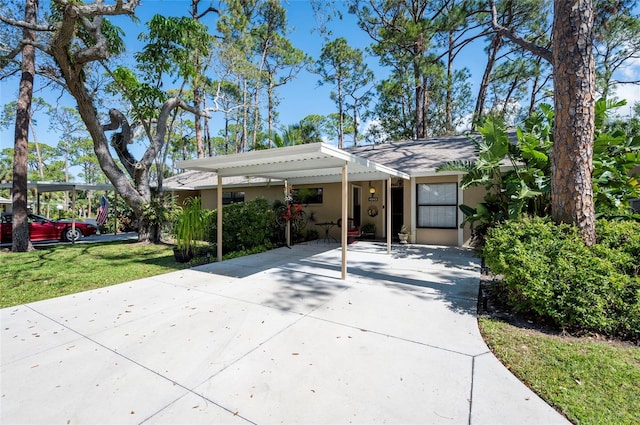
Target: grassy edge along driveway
{"x":53,"y":271}
{"x":590,"y":381}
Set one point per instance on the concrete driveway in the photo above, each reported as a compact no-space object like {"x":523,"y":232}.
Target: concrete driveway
{"x":269,"y":338}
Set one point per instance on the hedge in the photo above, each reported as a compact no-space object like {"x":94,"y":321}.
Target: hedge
{"x":548,"y":271}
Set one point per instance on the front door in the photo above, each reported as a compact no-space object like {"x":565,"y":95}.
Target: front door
{"x":397,"y":211}
{"x":356,"y":205}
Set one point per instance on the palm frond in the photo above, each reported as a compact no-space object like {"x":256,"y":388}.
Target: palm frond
{"x":457,"y":165}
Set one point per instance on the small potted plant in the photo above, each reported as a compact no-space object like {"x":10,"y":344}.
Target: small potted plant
{"x":368,"y":230}
{"x":404,"y":234}
{"x":189,"y":229}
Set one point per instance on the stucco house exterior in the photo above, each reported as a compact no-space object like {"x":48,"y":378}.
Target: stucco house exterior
{"x":424,"y":201}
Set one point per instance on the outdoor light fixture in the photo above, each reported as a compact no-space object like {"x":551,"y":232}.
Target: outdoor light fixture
{"x":372,"y":190}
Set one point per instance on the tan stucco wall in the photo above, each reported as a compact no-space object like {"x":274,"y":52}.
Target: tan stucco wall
{"x":271,"y":193}
{"x":472,"y":197}
{"x":182,"y":195}
{"x":378,"y":220}
{"x":329,"y":210}
{"x":209,"y":197}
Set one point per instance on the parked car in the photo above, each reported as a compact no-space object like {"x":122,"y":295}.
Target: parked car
{"x":43,"y":229}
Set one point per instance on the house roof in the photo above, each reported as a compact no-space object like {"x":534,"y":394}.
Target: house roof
{"x":311,"y":163}
{"x":409,"y":157}
{"x":419,"y":157}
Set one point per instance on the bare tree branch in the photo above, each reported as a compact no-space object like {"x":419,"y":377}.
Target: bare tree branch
{"x":120,"y":140}
{"x":100,"y":50}
{"x":617,"y":82}
{"x":546,"y":54}
{"x":26,"y":25}
{"x":5,"y":60}
{"x":99,"y":8}
{"x":210,"y":9}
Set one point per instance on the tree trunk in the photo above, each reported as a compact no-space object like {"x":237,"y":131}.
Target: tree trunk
{"x":574,"y":90}
{"x":515,"y":82}
{"x":448,"y":106}
{"x":340,"y":116}
{"x":148,"y":232}
{"x":355,"y":123}
{"x":245,"y":116}
{"x":207,"y":134}
{"x":270,"y":113}
{"x":421,"y":122}
{"x":37,"y":145}
{"x":197,"y":101}
{"x":534,"y":91}
{"x":495,"y":45}
{"x":20,"y":232}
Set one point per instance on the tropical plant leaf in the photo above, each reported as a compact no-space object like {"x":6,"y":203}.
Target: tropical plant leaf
{"x":457,"y":165}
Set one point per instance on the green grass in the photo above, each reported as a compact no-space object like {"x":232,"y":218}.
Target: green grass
{"x":590,"y":381}
{"x":58,"y":270}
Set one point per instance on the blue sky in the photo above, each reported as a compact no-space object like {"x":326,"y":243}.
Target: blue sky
{"x":299,"y":98}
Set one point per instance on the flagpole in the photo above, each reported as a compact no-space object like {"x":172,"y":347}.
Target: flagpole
{"x":115,"y":213}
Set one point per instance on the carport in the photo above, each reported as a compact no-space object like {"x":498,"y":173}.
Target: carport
{"x":44,"y":186}
{"x":302,"y":164}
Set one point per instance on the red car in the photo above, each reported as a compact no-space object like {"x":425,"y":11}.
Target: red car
{"x":43,"y":229}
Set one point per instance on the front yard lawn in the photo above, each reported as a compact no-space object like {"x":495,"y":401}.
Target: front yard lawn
{"x":52,"y":271}
{"x":590,"y":380}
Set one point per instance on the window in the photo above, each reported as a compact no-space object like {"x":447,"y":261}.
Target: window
{"x":232,"y":197}
{"x":307,"y":196}
{"x":438,"y":205}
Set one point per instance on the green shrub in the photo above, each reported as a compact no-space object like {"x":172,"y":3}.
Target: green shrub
{"x":550,"y":272}
{"x":190,"y":225}
{"x":247,"y":225}
{"x":312,"y":235}
{"x":622,"y":237}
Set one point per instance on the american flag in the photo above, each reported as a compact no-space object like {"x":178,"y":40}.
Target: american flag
{"x":103,"y":211}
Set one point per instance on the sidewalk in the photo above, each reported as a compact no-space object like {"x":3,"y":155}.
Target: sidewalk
{"x":268,"y":338}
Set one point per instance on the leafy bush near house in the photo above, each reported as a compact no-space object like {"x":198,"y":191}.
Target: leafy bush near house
{"x":548,"y":271}
{"x":247,"y":225}
{"x":622,"y":236}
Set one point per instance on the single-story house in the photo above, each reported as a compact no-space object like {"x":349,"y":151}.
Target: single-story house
{"x":5,"y":204}
{"x":395,"y":176}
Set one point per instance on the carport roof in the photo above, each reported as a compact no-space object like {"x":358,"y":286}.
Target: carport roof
{"x":43,"y":186}
{"x":311,"y":163}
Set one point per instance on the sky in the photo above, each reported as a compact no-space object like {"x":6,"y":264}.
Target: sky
{"x":302,"y":96}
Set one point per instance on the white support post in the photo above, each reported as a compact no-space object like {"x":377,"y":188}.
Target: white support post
{"x":345,"y":221}
{"x":389,"y":215}
{"x":219,"y":219}
{"x":73,"y":214}
{"x":414,"y":208}
{"x":287,"y":226}
{"x":115,"y":212}
{"x":460,"y":214}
